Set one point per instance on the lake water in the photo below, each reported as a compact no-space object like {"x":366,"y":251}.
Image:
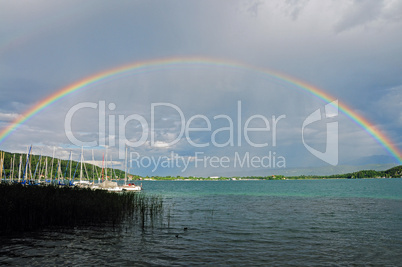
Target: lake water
{"x":301,"y":222}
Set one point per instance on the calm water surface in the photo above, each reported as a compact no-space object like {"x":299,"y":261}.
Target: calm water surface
{"x":312,"y":222}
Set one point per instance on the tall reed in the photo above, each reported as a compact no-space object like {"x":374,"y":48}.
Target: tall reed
{"x":24,"y":208}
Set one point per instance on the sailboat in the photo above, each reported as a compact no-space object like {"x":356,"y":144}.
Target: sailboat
{"x":107,"y":184}
{"x":114,"y":187}
{"x":25,"y":178}
{"x":82,"y":183}
{"x":130,"y":186}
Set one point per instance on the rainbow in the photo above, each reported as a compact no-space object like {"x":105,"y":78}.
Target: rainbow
{"x":142,"y":66}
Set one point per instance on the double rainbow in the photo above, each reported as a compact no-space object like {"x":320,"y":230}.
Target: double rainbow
{"x":138,"y":67}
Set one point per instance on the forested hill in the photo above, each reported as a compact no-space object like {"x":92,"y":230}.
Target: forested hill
{"x":390,"y":173}
{"x":90,"y":171}
{"x":395,"y":172}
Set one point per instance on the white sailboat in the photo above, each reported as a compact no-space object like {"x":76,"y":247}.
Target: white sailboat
{"x":113,"y":186}
{"x":131,"y":186}
{"x":82,"y":183}
{"x":107,"y":184}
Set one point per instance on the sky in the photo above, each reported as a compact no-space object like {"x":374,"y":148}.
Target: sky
{"x":218,"y":109}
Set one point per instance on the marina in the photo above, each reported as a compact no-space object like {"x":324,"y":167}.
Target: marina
{"x":41,"y":170}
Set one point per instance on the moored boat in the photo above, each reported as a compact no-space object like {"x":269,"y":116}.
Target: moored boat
{"x":131,"y":187}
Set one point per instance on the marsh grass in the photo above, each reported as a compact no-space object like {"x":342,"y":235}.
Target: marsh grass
{"x":25,"y":208}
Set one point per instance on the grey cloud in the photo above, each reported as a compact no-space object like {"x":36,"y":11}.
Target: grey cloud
{"x":295,"y":7}
{"x":294,"y":37}
{"x":363,"y":12}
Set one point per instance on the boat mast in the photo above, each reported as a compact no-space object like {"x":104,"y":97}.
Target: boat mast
{"x":12,"y":170}
{"x":36,"y":168}
{"x":58,"y":170}
{"x":125,"y":169}
{"x":45,"y":169}
{"x":19,"y":169}
{"x":112,"y":170}
{"x":40,"y":166}
{"x":1,"y":165}
{"x":82,"y":156}
{"x":4,"y":169}
{"x":26,"y":163}
{"x":96,"y":171}
{"x":86,"y":173}
{"x":103,"y":161}
{"x":71,"y":162}
{"x":65,"y":171}
{"x":30,"y":166}
{"x":93,"y":168}
{"x":106,"y":164}
{"x":75,"y":170}
{"x":51,"y":165}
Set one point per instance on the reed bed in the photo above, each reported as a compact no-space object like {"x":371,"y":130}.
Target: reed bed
{"x":24,"y":208}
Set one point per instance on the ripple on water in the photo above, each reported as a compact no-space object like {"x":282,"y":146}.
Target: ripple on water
{"x":231,"y":229}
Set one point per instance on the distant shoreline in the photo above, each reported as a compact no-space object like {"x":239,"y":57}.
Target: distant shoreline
{"x":60,"y":168}
{"x":241,"y":179}
{"x":395,"y":172}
